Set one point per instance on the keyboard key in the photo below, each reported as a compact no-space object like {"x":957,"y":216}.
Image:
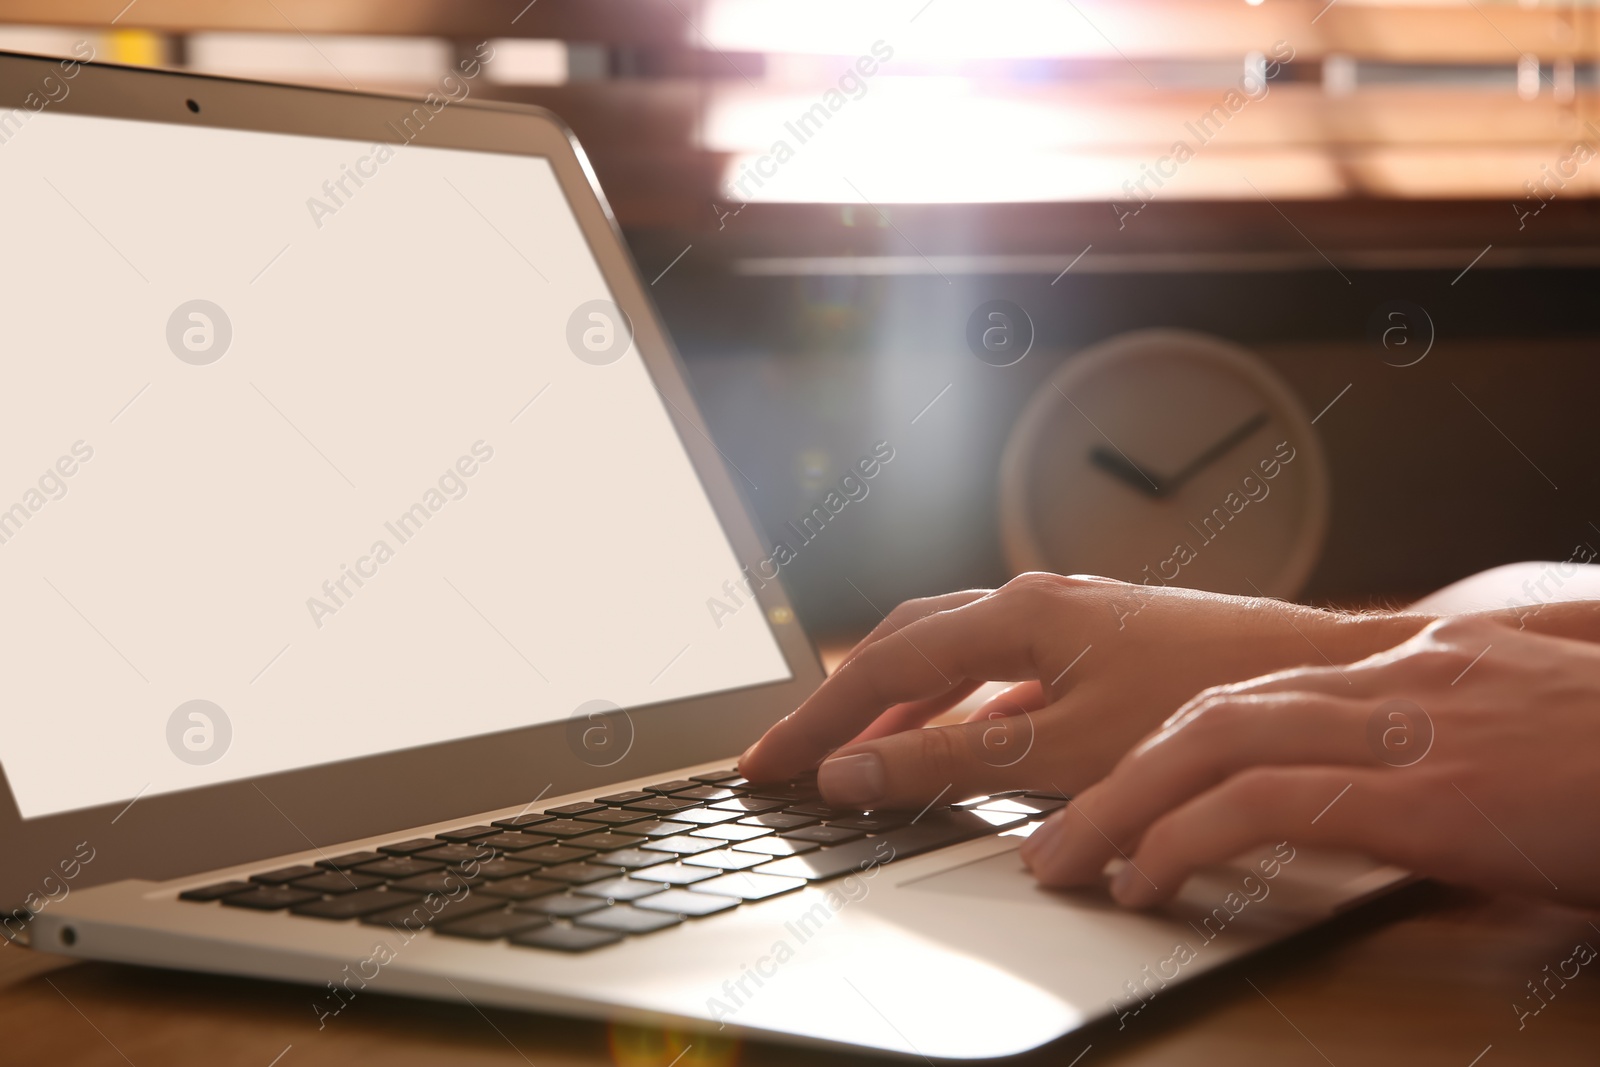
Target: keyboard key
{"x":614,"y":816}
{"x":658,"y":828}
{"x":565,"y":938}
{"x":732,"y":832}
{"x":551,"y":855}
{"x":625,"y":798}
{"x":491,"y":925}
{"x":562,"y":907}
{"x":748,"y":805}
{"x":414,"y":916}
{"x":566,"y":828}
{"x":605,"y":842}
{"x":706,"y":816}
{"x":337,"y":882}
{"x":214,"y":892}
{"x":580,"y":808}
{"x":776,"y":846}
{"x":823,"y":835}
{"x":524,"y":888}
{"x":672,"y":786}
{"x":627,"y":919}
{"x":631,"y":858}
{"x":715,"y":776}
{"x":987,"y":798}
{"x":708,"y":792}
{"x":520,"y":822}
{"x":446,"y":883}
{"x":663,"y":805}
{"x":934,"y":830}
{"x":691,"y":905}
{"x":748,"y":886}
{"x":503,"y":868}
{"x":1029,"y":806}
{"x":873,"y":822}
{"x":725,"y":859}
{"x":398,"y":867}
{"x":821,"y":811}
{"x":999,"y":820}
{"x":350,"y":860}
{"x":456,"y":855}
{"x":353,"y":905}
{"x":675,"y":874}
{"x":619,"y":889}
{"x":411,"y":847}
{"x":467,"y":833}
{"x":780,"y":820}
{"x":579,"y":873}
{"x":791,"y":794}
{"x":681,"y":844}
{"x":511,"y":841}
{"x":270,"y":898}
{"x":284,"y":875}
{"x":423,"y":913}
{"x":537,"y":839}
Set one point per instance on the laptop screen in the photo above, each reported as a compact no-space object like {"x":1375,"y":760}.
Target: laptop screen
{"x":314,"y":449}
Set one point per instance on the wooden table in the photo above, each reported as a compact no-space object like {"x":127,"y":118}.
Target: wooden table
{"x":1429,"y":980}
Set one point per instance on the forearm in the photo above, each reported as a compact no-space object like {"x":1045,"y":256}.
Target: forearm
{"x":1355,"y":636}
{"x":1206,"y":639}
{"x":1346,"y":638}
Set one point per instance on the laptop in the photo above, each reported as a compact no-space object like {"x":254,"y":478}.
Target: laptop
{"x":359,"y":536}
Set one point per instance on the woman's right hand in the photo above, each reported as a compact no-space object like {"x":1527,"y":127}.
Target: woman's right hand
{"x":1469,"y":753}
{"x":1098,"y":665}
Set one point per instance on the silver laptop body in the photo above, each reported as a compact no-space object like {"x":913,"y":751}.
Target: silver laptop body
{"x":354,"y":494}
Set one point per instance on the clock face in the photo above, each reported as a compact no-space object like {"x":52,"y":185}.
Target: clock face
{"x":1166,"y":457}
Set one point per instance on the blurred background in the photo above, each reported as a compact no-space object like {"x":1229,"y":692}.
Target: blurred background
{"x":1422,"y":152}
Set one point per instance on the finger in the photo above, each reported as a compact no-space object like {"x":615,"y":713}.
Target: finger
{"x":1019,"y":698}
{"x":1222,"y":737}
{"x":910,"y":611}
{"x":989,"y":639}
{"x":1333,"y":807}
{"x":913,"y":769}
{"x":1344,"y":682}
{"x":1014,"y":700}
{"x":912,"y":713}
{"x":915,"y":714}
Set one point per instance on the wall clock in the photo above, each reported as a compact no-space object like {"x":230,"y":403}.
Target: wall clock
{"x":1166,"y":457}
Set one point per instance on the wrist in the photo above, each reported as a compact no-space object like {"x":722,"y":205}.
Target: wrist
{"x":1346,"y":638}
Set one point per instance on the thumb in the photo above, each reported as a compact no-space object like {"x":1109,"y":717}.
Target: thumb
{"x":915,"y":768}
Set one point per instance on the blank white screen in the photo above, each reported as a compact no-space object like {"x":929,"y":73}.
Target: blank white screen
{"x":372,"y":348}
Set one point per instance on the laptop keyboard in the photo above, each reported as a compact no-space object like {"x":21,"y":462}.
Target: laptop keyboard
{"x":581,"y":876}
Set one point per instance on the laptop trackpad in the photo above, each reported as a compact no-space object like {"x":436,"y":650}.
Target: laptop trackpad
{"x":1308,"y":883}
{"x":996,"y":878}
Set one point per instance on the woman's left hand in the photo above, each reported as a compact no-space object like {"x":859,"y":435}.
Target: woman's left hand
{"x":1469,"y":753}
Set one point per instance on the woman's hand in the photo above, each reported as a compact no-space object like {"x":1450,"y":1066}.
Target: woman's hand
{"x":1099,"y":664}
{"x":1469,"y":753}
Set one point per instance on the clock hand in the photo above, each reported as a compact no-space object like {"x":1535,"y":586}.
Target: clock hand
{"x":1121,"y":467}
{"x":1216,"y":451}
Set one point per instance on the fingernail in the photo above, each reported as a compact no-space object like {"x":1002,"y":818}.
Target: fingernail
{"x":1125,"y":886}
{"x":855,"y":780}
{"x":1042,"y":841}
